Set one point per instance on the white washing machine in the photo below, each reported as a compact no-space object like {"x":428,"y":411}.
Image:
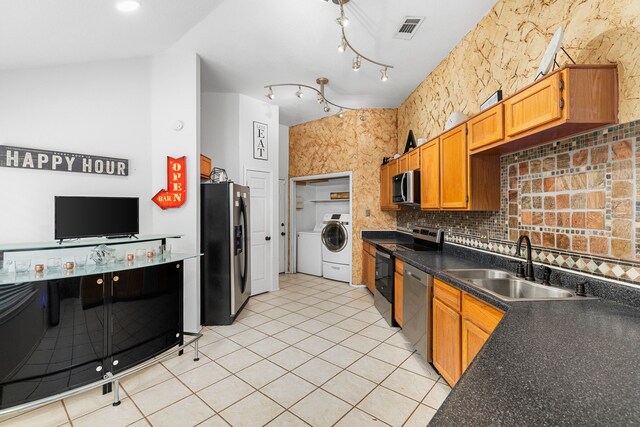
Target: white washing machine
{"x":336,"y":247}
{"x":310,"y":251}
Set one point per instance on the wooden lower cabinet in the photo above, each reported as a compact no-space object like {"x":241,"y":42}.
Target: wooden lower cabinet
{"x":473,"y":338}
{"x":446,"y":341}
{"x":398,"y":292}
{"x":369,"y":265}
{"x":461,"y":326}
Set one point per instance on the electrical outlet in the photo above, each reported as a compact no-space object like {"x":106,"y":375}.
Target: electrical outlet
{"x":367,"y":212}
{"x":484,"y":236}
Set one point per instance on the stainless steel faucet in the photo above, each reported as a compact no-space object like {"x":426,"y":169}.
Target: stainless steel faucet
{"x":529,"y":275}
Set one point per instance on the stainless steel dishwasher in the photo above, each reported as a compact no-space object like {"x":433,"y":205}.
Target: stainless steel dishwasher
{"x":416,"y":309}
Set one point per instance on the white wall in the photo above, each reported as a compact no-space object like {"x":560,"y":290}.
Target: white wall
{"x":284,"y":152}
{"x":175,"y":89}
{"x":99,"y":108}
{"x":221,"y":131}
{"x":227,"y":134}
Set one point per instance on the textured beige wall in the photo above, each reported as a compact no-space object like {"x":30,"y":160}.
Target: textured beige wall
{"x":504,"y":50}
{"x":333,"y":145}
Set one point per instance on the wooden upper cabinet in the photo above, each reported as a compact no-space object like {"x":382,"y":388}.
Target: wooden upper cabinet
{"x":535,"y":106}
{"x":453,"y":169}
{"x":387,"y":172}
{"x":486,"y":128}
{"x":414,"y":159}
{"x":430,"y":175}
{"x":403,"y":164}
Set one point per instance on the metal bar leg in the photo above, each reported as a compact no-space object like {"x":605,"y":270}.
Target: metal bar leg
{"x":197,"y":352}
{"x":116,"y":393}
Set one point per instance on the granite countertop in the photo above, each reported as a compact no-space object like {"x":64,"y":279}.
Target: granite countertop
{"x":547,"y":362}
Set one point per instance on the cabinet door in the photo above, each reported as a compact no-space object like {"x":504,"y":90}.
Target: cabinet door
{"x":536,"y":106}
{"x":146,"y":308}
{"x":397,"y":298}
{"x":414,"y":159}
{"x":430,"y":175}
{"x":473,"y":338}
{"x":394,"y":169}
{"x":365,"y":263}
{"x":453,"y":169}
{"x":446,"y":341}
{"x":385,"y":196}
{"x":53,"y":337}
{"x":486,"y":128}
{"x":403,"y":163}
{"x":372,"y":273}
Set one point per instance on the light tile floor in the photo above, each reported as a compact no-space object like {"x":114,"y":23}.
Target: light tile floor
{"x":315,"y":352}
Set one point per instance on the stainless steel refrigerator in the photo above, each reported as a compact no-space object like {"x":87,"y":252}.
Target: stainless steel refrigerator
{"x":225,"y":240}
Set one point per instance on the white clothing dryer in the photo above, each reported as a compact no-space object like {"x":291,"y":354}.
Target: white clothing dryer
{"x":309,"y":260}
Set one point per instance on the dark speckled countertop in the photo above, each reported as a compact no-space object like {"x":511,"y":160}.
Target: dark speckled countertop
{"x":547,"y":362}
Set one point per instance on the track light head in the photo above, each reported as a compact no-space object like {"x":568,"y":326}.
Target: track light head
{"x":326,"y":108}
{"x":342,"y":46}
{"x":299,"y":93}
{"x":356,"y":63}
{"x":340,"y":114}
{"x":320,"y":99}
{"x":270,"y":95}
{"x":383,"y":74}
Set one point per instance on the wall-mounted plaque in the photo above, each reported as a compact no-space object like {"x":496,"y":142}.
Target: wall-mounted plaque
{"x":260,"y":141}
{"x":33,"y":158}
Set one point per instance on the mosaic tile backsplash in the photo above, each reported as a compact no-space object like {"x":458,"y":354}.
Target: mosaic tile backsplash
{"x":578,"y":199}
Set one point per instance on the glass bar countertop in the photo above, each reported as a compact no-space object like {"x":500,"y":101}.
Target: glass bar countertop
{"x":10,"y":277}
{"x":79,"y":243}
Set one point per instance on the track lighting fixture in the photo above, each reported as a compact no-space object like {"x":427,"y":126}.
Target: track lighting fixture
{"x":322,"y":81}
{"x":384,"y":77}
{"x":356,"y":63}
{"x":340,"y":114}
{"x":343,"y":21}
{"x":270,"y":95}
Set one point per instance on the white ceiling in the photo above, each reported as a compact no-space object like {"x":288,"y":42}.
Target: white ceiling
{"x":248,"y":44}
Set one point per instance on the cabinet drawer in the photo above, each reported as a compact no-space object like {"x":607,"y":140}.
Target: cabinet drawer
{"x":447,"y":294}
{"x":399,"y":266}
{"x":483,"y":315}
{"x":486,"y":128}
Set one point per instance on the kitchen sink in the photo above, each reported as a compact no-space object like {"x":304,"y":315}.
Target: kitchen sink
{"x":510,"y":288}
{"x":480,"y":274}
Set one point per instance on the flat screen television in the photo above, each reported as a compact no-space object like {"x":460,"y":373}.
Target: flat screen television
{"x":77,"y":217}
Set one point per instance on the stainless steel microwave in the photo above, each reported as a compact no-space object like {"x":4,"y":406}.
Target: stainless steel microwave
{"x":405,"y":188}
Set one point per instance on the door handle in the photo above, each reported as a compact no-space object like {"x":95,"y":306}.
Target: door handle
{"x":267,"y":238}
{"x":283,"y":233}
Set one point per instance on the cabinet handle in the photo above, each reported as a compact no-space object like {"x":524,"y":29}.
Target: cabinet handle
{"x":177,"y":265}
{"x":116,"y":278}
{"x":99,"y":281}
{"x":99,"y":368}
{"x":561,"y":84}
{"x":115,"y":363}
{"x":561,"y":103}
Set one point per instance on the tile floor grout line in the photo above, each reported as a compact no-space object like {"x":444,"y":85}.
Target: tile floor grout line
{"x":66,"y":412}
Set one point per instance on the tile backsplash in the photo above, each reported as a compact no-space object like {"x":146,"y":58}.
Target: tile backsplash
{"x":576,"y":198}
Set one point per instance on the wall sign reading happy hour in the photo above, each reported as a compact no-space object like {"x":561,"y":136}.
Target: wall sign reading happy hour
{"x":33,"y":158}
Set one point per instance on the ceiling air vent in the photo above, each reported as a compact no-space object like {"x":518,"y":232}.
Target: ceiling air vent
{"x":409,"y":26}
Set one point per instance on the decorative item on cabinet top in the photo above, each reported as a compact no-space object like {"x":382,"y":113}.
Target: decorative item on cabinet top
{"x":205,"y":166}
{"x":411,"y":142}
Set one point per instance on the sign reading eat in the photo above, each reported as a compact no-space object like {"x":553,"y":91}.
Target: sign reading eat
{"x":175,"y":194}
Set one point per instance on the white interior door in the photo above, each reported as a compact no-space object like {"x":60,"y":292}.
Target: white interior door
{"x":261,"y":242}
{"x":282,"y":221}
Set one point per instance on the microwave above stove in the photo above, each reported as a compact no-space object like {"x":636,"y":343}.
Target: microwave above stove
{"x":405,"y":188}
